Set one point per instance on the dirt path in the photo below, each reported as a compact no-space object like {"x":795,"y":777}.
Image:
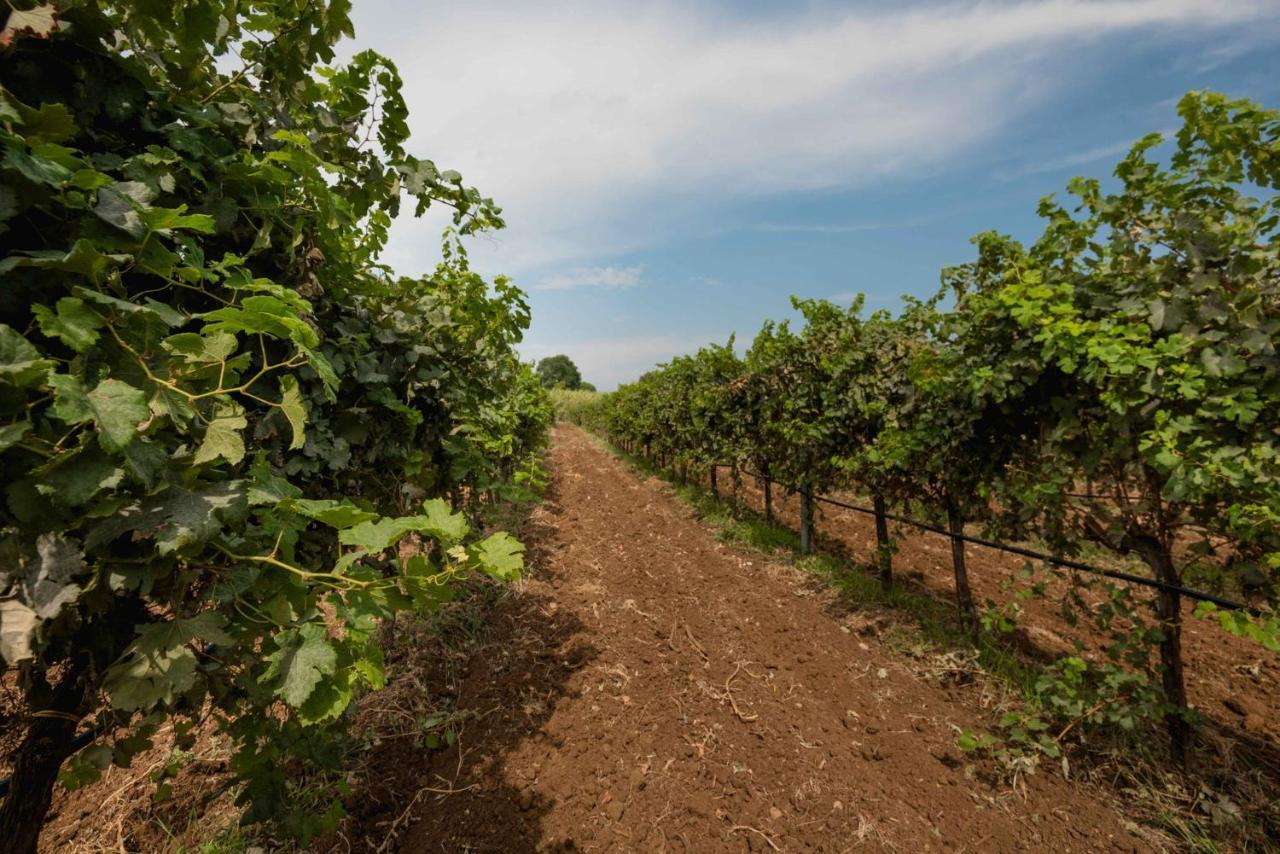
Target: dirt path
{"x":652,"y":689}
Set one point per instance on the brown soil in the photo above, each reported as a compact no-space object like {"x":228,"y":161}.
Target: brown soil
{"x":653,"y":689}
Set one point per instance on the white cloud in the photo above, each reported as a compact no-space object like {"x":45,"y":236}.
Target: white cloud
{"x":608,"y":278}
{"x":604,"y":126}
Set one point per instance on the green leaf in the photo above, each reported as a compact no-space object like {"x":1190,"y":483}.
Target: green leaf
{"x":202,"y":349}
{"x":164,"y":313}
{"x":144,"y":679}
{"x":36,"y":166}
{"x":438,"y":522}
{"x":324,"y":370}
{"x":177,"y":517}
{"x":73,"y":479}
{"x":49,"y":123}
{"x":12,"y":434}
{"x":20,"y":362}
{"x":208,"y":626}
{"x":501,"y":556}
{"x":222,"y":438}
{"x":165,"y":220}
{"x":83,"y":258}
{"x":122,"y":205}
{"x":294,"y":409}
{"x":268,"y":487}
{"x":264,"y":315}
{"x":75,"y":323}
{"x":336,"y":514}
{"x":441,"y":522}
{"x":302,"y":661}
{"x":49,"y":584}
{"x":374,"y":536}
{"x":116,"y":407}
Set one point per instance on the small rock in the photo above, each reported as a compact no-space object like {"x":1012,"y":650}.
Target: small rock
{"x":1241,"y":707}
{"x":775,"y":813}
{"x":947,"y":757}
{"x":525,"y":799}
{"x":872,"y":729}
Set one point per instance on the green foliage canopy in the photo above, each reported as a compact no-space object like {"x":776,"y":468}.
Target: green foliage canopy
{"x":1129,"y":353}
{"x":222,"y":420}
{"x":559,"y":371}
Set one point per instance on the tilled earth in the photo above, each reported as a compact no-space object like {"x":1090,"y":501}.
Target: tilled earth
{"x":651,"y":689}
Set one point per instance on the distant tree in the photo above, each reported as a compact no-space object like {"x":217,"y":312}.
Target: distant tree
{"x":559,"y":372}
{"x":586,"y":387}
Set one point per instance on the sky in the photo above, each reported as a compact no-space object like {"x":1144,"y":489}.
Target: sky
{"x":672,"y":173}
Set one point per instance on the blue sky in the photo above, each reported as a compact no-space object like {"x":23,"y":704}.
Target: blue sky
{"x":672,"y":173}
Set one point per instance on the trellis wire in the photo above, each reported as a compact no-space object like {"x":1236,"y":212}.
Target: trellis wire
{"x":1068,"y":563}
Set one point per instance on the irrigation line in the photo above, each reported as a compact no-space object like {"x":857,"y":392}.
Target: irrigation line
{"x":1030,"y":553}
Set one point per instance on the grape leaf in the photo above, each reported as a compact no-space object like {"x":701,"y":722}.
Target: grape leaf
{"x":501,"y":556}
{"x":20,"y":363}
{"x":438,"y":522}
{"x":12,"y":434}
{"x":302,"y":661}
{"x":143,"y":679}
{"x":75,"y":323}
{"x":117,"y":408}
{"x":294,"y":409}
{"x":176,"y":517}
{"x":18,"y":625}
{"x":222,"y":438}
{"x":38,"y":22}
{"x":121,"y":205}
{"x":49,"y":583}
{"x":336,"y":514}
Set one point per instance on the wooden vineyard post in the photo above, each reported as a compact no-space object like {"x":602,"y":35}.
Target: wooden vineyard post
{"x":715,"y":487}
{"x":964,"y":597}
{"x":767,"y":486}
{"x":884,"y":552}
{"x":684,"y":474}
{"x":1169,"y":611}
{"x":806,"y":520}
{"x":1175,"y":688}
